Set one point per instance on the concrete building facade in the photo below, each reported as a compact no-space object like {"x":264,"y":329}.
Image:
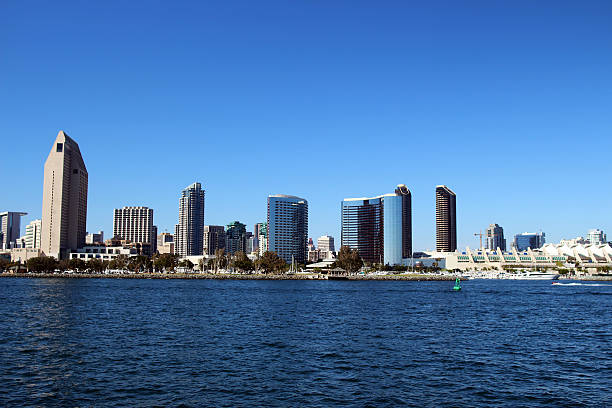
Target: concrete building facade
{"x":134,"y":224}
{"x":64,"y":207}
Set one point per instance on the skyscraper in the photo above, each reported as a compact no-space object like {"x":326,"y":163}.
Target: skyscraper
{"x":379,"y":228}
{"x":262,"y":237}
{"x":495,"y":237}
{"x":235,"y":237}
{"x":214,"y":238}
{"x":189,"y":232}
{"x":64,"y":208}
{"x":288,"y":227}
{"x":446,"y":219}
{"x":134,"y":224}
{"x":10,"y":228}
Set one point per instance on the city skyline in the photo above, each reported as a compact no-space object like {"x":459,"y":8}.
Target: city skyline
{"x":145,"y":99}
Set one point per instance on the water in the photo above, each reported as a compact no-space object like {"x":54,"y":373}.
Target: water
{"x":108,"y":342}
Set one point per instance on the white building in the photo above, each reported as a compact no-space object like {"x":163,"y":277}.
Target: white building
{"x":134,"y":224}
{"x":32,"y":234}
{"x":326,"y":243}
{"x":596,"y":237}
{"x":103,"y":253}
{"x":94,"y":238}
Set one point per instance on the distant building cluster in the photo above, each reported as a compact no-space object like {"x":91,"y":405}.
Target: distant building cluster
{"x":379,"y":228}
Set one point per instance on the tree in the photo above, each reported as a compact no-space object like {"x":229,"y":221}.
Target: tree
{"x":4,"y":264}
{"x":242,"y":262}
{"x":77,"y":264}
{"x":186,"y":263}
{"x":349,"y":259}
{"x":139,"y":263}
{"x":165,"y":262}
{"x":221,"y":260}
{"x":120,"y":262}
{"x":271,"y":262}
{"x":42,"y":264}
{"x":96,"y":265}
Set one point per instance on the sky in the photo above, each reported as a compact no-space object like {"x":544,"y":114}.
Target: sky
{"x":509,"y":103}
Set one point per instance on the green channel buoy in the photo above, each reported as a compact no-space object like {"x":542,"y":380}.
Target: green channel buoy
{"x":457,"y":284}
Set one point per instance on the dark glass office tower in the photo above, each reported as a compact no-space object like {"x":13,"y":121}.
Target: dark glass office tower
{"x":446,"y":219}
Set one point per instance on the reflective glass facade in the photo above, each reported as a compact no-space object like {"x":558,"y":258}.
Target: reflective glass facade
{"x":288,"y":227}
{"x":379,"y":228}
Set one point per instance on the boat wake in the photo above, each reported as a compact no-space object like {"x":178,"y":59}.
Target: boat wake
{"x":580,"y":284}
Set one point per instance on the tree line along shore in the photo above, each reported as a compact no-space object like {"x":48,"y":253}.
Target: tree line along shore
{"x":227,"y":276}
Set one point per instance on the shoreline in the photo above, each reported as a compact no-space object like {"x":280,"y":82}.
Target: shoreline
{"x":224,"y":276}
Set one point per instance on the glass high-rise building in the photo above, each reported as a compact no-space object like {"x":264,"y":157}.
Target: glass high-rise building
{"x":495,"y":237}
{"x":379,"y":228}
{"x":189,"y":232}
{"x":288,"y":227}
{"x":446,"y":219}
{"x":235,"y":237}
{"x":531,"y":240}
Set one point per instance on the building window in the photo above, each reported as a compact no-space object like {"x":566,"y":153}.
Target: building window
{"x":60,"y":147}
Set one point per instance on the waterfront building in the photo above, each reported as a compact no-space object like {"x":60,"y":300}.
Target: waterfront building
{"x":446,"y":219}
{"x":214,"y":238}
{"x":326,"y":243}
{"x":596,"y":237}
{"x":94,"y":238}
{"x":32,"y":234}
{"x":235,"y":237}
{"x":495,"y":237}
{"x":379,"y":228}
{"x":23,"y":254}
{"x":64,"y":207}
{"x":104,"y":253}
{"x":288,"y":227}
{"x":10,"y":228}
{"x":189,"y":232}
{"x":262,"y":237}
{"x":135,"y":224}
{"x":531,"y":240}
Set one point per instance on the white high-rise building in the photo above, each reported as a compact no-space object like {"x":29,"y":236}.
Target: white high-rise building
{"x":596,"y":237}
{"x":134,"y":224}
{"x":32,"y":234}
{"x":326,"y":243}
{"x":189,"y":232}
{"x":64,"y":207}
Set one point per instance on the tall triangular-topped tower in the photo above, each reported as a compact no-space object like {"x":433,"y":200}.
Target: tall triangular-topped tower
{"x":64,"y":208}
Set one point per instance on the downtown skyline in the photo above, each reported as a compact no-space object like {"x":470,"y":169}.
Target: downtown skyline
{"x":423,"y":99}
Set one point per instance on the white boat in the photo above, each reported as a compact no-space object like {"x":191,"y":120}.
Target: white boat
{"x":534,"y":275}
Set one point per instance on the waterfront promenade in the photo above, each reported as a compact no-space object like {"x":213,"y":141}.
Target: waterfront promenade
{"x":299,"y":276}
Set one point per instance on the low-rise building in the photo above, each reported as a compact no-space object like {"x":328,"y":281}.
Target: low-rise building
{"x":104,"y":253}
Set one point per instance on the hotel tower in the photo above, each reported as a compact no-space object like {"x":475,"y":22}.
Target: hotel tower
{"x":64,"y":207}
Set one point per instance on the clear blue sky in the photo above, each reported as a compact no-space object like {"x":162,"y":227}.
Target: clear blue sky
{"x":509,"y":103}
